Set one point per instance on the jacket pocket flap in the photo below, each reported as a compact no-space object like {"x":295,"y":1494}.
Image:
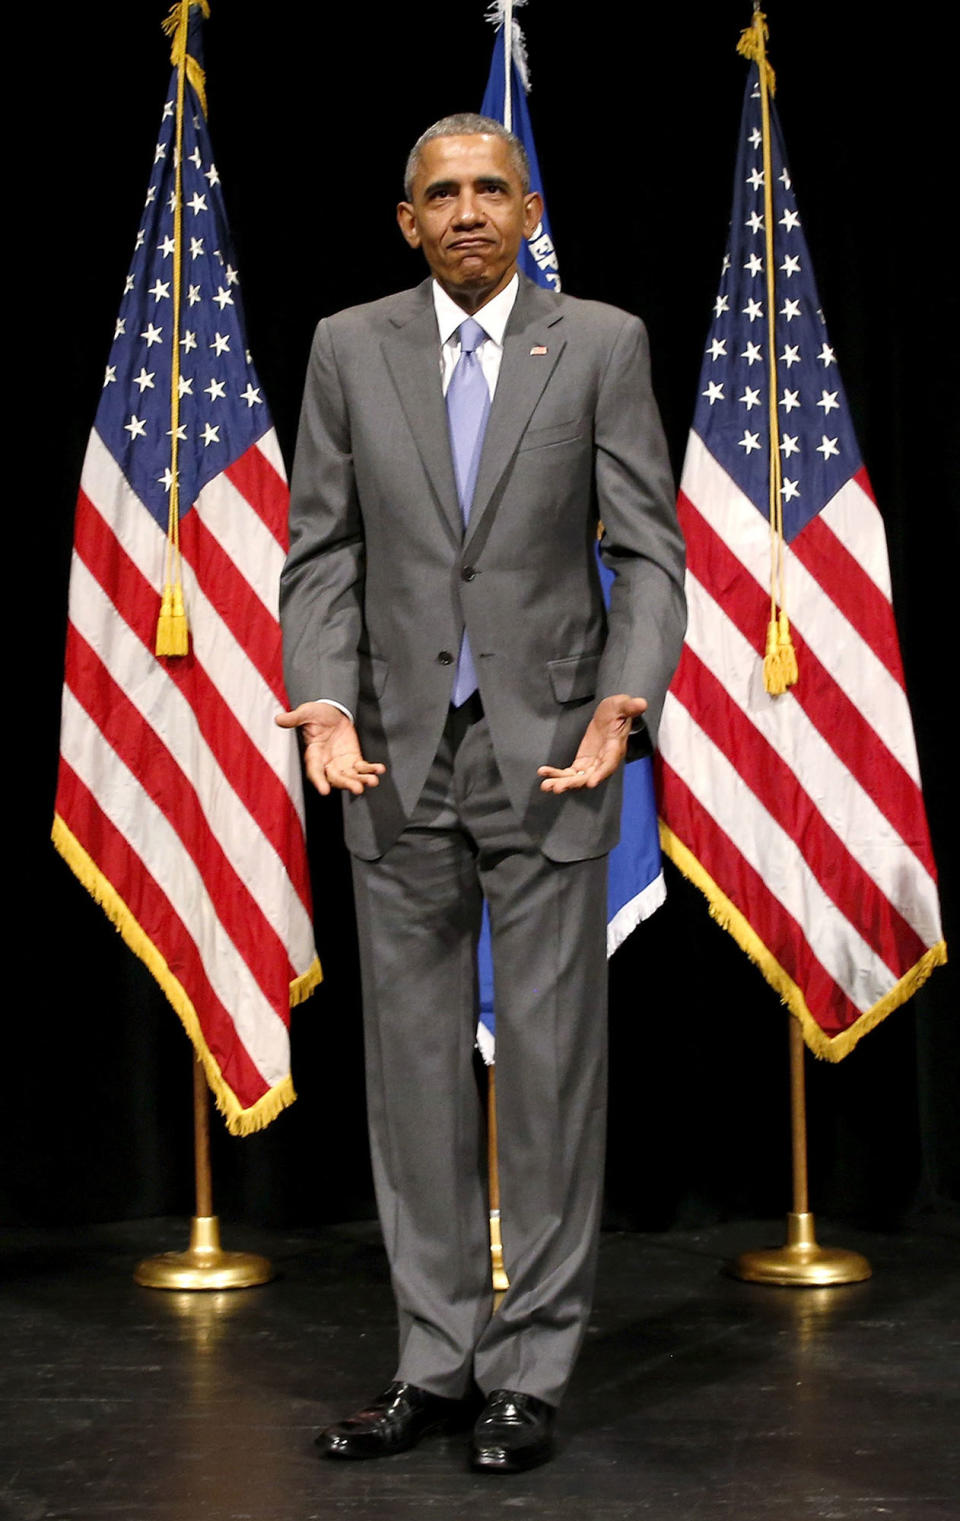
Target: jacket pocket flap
{"x":574,"y":677}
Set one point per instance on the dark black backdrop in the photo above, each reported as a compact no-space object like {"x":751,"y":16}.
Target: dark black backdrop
{"x":635,"y":110}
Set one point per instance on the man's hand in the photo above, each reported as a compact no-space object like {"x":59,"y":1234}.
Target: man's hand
{"x":331,"y":749}
{"x":602,"y":748}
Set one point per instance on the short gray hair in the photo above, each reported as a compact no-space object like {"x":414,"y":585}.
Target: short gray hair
{"x":467,"y":124}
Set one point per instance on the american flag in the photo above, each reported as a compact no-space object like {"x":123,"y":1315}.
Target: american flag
{"x":800,"y":816}
{"x":179,"y":802}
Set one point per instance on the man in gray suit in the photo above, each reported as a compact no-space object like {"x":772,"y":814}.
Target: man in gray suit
{"x":457,"y":676}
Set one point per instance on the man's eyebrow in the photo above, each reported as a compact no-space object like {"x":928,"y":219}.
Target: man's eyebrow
{"x":482,"y":181}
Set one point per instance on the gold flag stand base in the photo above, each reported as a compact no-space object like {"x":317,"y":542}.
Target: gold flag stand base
{"x":203,"y":1265}
{"x":802,"y":1263}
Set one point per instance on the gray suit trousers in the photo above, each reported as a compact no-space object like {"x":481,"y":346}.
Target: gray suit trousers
{"x":418,"y":912}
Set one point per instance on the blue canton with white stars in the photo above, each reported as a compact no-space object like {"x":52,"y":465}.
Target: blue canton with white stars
{"x":818,"y":450}
{"x":222,"y":411}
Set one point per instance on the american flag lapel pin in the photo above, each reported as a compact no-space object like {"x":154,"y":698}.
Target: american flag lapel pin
{"x":539,"y":348}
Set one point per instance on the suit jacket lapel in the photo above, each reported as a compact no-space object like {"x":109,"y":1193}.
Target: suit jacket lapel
{"x":412,"y":355}
{"x":520,"y":384}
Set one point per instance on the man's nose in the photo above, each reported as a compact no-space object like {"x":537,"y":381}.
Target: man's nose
{"x":469,"y":210}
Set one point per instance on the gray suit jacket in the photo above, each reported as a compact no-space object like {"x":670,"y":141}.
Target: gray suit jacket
{"x":381,"y":579}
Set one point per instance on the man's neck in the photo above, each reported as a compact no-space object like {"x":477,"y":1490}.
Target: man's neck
{"x":470,"y":301}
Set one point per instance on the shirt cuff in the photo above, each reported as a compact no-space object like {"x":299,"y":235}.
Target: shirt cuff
{"x":333,"y":704}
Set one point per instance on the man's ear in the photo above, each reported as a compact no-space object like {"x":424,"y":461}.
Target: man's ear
{"x":532,"y":213}
{"x":407,"y":222}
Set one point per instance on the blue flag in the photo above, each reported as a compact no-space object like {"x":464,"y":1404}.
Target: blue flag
{"x":635,"y":884}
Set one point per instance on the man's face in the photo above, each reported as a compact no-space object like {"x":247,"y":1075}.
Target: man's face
{"x":469,"y":215}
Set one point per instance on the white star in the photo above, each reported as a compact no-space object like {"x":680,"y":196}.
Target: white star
{"x":210,"y":435}
{"x":161,"y":152}
{"x":188,"y":341}
{"x":216,"y":390}
{"x":714,"y":392}
{"x":784,"y":179}
{"x":827,"y":446}
{"x":128,"y":285}
{"x":167,"y":110}
{"x":121,"y":328}
{"x":754,"y":264}
{"x":223,"y":297}
{"x":790,"y":399}
{"x":151,"y":195}
{"x":828,"y":401}
{"x":726,"y":264}
{"x":221,"y":343}
{"x":181,"y":432}
{"x":789,"y":489}
{"x":172,"y":202}
{"x":754,"y":221}
{"x":140,"y":237}
{"x":755,"y":178}
{"x":196,"y":247}
{"x":717,"y":349}
{"x":153,"y":335}
{"x":790,"y":309}
{"x":194,"y":157}
{"x":827,"y":356}
{"x":109,"y":375}
{"x":750,"y":397}
{"x":136,"y":427}
{"x":212,"y":176}
{"x":143,"y":380}
{"x":193,"y":295}
{"x":753,"y":309}
{"x":749,"y":441}
{"x":185,"y":385}
{"x":789,"y":220}
{"x":790,"y":445}
{"x":166,"y":479}
{"x":166,"y":247}
{"x":755,"y":138}
{"x":720,"y":306}
{"x":252,"y":395}
{"x":752,"y":353}
{"x":160,"y":290}
{"x":790,"y":355}
{"x":197,"y":203}
{"x":791,"y":265}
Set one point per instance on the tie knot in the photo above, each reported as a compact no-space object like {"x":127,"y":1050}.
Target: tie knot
{"x":471,"y":335}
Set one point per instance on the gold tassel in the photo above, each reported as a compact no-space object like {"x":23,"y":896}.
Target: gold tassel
{"x":787,"y":652}
{"x":751,"y":43}
{"x":172,"y":634}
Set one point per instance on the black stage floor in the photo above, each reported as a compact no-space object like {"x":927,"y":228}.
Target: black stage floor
{"x":697,"y":1397}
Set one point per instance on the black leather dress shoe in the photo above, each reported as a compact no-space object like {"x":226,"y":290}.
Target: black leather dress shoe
{"x":514,"y":1432}
{"x":393,"y":1422}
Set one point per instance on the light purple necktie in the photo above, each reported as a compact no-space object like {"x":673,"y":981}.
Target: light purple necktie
{"x":468,"y":406}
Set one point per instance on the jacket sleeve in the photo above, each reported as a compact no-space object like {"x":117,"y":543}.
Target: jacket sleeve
{"x":641,"y":541}
{"x":321,"y":586}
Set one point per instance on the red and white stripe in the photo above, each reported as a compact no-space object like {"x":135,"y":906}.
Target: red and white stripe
{"x":805,"y":810}
{"x":174,"y":778}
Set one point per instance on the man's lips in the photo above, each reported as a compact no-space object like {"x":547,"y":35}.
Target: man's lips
{"x":470,"y":245}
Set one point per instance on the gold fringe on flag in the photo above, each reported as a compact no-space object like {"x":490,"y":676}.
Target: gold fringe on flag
{"x":239,"y":1121}
{"x":831,"y":1048}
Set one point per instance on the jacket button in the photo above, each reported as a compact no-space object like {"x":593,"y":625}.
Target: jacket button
{"x":445,"y":657}
{"x":468,"y":573}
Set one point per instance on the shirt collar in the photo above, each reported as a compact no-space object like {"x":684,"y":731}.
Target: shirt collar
{"x":492,"y":317}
